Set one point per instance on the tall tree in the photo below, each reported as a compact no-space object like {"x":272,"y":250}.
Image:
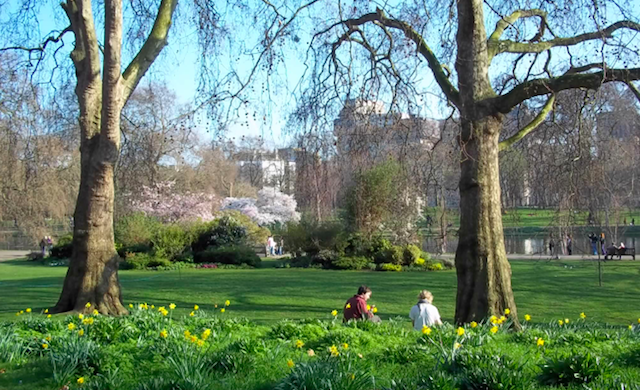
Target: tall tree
{"x":394,"y":44}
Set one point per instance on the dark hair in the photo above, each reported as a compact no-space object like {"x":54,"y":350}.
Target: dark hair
{"x":363,"y":290}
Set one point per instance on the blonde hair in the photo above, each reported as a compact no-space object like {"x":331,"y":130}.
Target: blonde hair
{"x":426,"y":295}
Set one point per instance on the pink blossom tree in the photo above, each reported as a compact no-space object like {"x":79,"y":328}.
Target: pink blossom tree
{"x":163,"y":202}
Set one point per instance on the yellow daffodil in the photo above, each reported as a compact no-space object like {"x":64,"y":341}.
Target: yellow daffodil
{"x":311,"y":353}
{"x":80,"y":380}
{"x":527,"y":317}
{"x":21,"y":311}
{"x":540,"y":342}
{"x":348,"y":306}
{"x":48,"y":315}
{"x":560,"y":322}
{"x":131,"y":306}
{"x":28,"y":310}
{"x":46,"y":311}
{"x":460,"y":331}
{"x":200,"y":343}
{"x":473,"y":324}
{"x":630,"y":327}
{"x":193,"y":339}
{"x":290,"y":363}
{"x":503,"y":319}
{"x":196,"y":307}
{"x":457,"y":345}
{"x":88,"y":321}
{"x":192,"y":314}
{"x":334,"y":350}
{"x":153,"y":306}
{"x":161,"y":309}
{"x":299,"y":344}
{"x":172,"y":306}
{"x":227,"y":302}
{"x":48,"y":338}
{"x":583,"y":316}
{"x":334,"y":313}
{"x":45,"y":346}
{"x":71,"y":326}
{"x":187,"y":334}
{"x":205,"y":335}
{"x":81,"y":332}
{"x":164,"y":334}
{"x":566,"y":320}
{"x":164,"y":312}
{"x":494,"y":330}
{"x":345,"y":346}
{"x":96,"y":312}
{"x":493,"y":319}
{"x":88,"y":305}
{"x":368,"y":307}
{"x":375,"y":310}
{"x":222,"y":310}
{"x":638,"y":320}
{"x":507,"y":312}
{"x":81,"y":316}
{"x":426,"y":330}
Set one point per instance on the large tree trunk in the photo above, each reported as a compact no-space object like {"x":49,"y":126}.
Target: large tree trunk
{"x":484,"y":273}
{"x":93,"y":268}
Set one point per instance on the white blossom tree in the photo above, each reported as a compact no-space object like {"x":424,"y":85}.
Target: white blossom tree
{"x":272,"y":206}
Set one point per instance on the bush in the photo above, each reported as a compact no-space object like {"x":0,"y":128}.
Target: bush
{"x":231,"y":254}
{"x":390,"y":267}
{"x":63,"y":248}
{"x":225,"y":231}
{"x":137,"y":261}
{"x":411,"y":254}
{"x":170,"y":241}
{"x":136,"y":230}
{"x":396,"y":255}
{"x":435,"y":267}
{"x":309,"y":237}
{"x":325,"y":258}
{"x":352,"y":263}
{"x":256,"y":235}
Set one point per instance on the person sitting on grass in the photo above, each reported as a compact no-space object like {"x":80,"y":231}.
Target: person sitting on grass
{"x":356,"y":306}
{"x":424,"y":313}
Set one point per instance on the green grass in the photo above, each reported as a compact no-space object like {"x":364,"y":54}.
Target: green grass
{"x":546,"y":290}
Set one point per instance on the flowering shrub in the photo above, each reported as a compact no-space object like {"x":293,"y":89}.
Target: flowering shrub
{"x":163,"y":202}
{"x":272,"y":206}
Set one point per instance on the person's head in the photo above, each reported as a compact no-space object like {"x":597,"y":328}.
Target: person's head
{"x":425,"y":295}
{"x":364,"y":292}
{"x":602,"y":235}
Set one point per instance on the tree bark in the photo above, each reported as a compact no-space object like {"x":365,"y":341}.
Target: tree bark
{"x":484,"y":273}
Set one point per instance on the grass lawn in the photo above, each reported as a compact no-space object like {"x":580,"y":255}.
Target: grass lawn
{"x":547,"y":291}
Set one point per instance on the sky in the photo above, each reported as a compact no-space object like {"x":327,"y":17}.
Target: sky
{"x":177,"y":67}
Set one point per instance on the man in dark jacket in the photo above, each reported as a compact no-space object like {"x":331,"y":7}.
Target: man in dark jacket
{"x":356,"y":306}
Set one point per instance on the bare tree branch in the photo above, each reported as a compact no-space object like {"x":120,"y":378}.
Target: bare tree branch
{"x":43,"y":46}
{"x":531,"y":126}
{"x":152,"y":47}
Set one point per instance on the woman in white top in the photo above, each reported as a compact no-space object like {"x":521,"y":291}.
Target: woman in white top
{"x":424,"y":313}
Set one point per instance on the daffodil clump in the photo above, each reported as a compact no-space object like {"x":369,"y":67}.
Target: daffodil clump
{"x":194,"y":346}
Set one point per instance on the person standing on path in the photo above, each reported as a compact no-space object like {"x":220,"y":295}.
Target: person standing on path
{"x":603,"y":245}
{"x":569,"y":245}
{"x":594,"y":243}
{"x":552,"y":245}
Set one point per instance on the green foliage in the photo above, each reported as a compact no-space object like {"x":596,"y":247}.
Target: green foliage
{"x":328,"y":374}
{"x":256,"y":235}
{"x":372,"y":199}
{"x":411,"y":254}
{"x":572,"y":368}
{"x":390,"y":267}
{"x":310,"y":237}
{"x":137,"y":261}
{"x":63,"y":248}
{"x":169,"y":241}
{"x":350,"y":262}
{"x":232,"y":254}
{"x":225,"y":231}
{"x":136,"y":230}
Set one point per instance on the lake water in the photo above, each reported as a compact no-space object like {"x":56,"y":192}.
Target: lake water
{"x":536,"y":244}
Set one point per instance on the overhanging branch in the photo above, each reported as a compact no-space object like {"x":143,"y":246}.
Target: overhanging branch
{"x":538,"y":87}
{"x":43,"y":46}
{"x":531,"y":126}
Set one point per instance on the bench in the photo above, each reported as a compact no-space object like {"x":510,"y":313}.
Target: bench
{"x":613,"y":251}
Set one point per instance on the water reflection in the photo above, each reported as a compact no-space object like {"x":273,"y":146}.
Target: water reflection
{"x":532,"y":245}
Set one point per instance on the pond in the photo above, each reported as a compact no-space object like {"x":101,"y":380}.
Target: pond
{"x":535,"y":244}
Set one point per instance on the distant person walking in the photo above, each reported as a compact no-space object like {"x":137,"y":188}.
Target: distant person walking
{"x":552,"y":246}
{"x":633,"y":222}
{"x":594,"y":243}
{"x":569,"y":245}
{"x":603,"y":245}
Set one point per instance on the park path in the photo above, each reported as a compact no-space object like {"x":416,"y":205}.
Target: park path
{"x":515,"y":256}
{"x":10,"y":255}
